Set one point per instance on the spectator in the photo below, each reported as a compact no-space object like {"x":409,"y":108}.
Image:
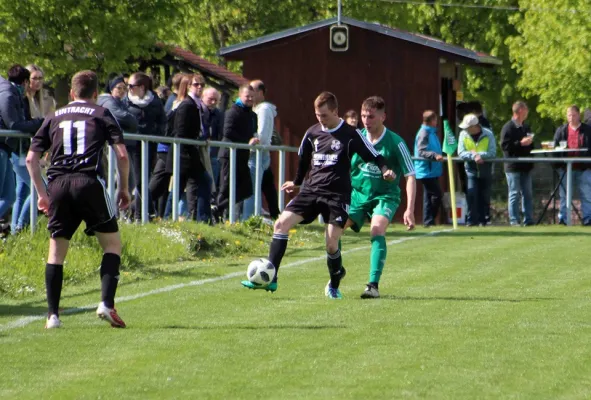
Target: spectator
{"x":240,"y":126}
{"x":266,"y":113}
{"x":114,"y":103}
{"x":187,"y":125}
{"x":516,"y":142}
{"x":12,"y":116}
{"x":211,"y":98}
{"x":40,"y":104}
{"x":475,"y":107}
{"x":475,"y":145}
{"x":163,"y":93}
{"x":428,"y":145}
{"x":149,"y":112}
{"x":175,"y":82}
{"x":577,"y":135}
{"x":587,"y":116}
{"x":352,"y":118}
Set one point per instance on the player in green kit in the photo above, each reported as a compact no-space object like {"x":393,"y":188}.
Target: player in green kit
{"x":374,"y":197}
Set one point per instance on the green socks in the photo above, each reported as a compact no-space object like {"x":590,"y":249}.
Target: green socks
{"x":377,"y":258}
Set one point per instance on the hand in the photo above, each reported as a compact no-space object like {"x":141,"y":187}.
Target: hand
{"x":527,"y":140}
{"x":438,"y":157}
{"x":288,"y":187}
{"x":254,"y":140}
{"x":388,"y":175}
{"x":43,"y":203}
{"x":409,"y":220}
{"x":478,"y":159}
{"x":123,"y":199}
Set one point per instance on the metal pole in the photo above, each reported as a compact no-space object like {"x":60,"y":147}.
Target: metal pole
{"x":144,"y":181}
{"x":176,"y":179}
{"x":257,"y":183}
{"x":339,"y":7}
{"x":111,"y":175}
{"x":569,"y":191}
{"x":232,"y":206}
{"x":281,"y":179}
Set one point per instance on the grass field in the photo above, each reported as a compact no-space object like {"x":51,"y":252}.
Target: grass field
{"x":482,"y":313}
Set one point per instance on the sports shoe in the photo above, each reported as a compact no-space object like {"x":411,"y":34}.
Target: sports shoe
{"x":271,"y":287}
{"x":110,"y":315}
{"x":332,"y":293}
{"x":53,"y":322}
{"x":370,"y":292}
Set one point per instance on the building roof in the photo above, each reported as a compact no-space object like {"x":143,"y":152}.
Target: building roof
{"x":202,"y":65}
{"x":423,"y":40}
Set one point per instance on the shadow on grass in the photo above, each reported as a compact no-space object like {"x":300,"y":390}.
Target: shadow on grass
{"x":465,"y":298}
{"x":21,"y":310}
{"x":255,"y":327}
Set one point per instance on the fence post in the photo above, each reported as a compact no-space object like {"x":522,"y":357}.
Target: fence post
{"x":257,"y":183}
{"x":569,"y":192}
{"x":144,"y":181}
{"x":281,"y":179}
{"x":111,"y":175}
{"x":176,"y":170}
{"x":232,"y":206}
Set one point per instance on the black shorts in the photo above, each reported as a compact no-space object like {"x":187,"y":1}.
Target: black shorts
{"x":309,"y":206}
{"x":76,"y":198}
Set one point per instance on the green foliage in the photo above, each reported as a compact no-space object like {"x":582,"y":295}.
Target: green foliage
{"x":550,"y":52}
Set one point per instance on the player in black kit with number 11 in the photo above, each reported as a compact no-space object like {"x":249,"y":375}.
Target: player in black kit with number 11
{"x":326,"y":151}
{"x":76,"y":136}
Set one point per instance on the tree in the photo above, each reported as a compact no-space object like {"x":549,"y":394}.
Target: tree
{"x":550,"y":52}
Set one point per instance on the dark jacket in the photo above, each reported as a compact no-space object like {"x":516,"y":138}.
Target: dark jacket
{"x":216,"y":129}
{"x":511,"y":136}
{"x":240,"y":125}
{"x":151,"y":118}
{"x":187,"y":125}
{"x":120,"y":111}
{"x":562,"y":134}
{"x":12,"y":115}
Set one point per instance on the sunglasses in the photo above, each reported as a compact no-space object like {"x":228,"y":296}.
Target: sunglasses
{"x":132,"y":86}
{"x":37,"y":78}
{"x":198,"y":83}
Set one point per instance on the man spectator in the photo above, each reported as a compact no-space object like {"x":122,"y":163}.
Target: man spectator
{"x":577,"y":135}
{"x":352,"y":118}
{"x":475,"y":145}
{"x":211,"y":98}
{"x":517,"y":142}
{"x":266,"y":113}
{"x":240,"y":126}
{"x":428,"y":145}
{"x":12,"y":116}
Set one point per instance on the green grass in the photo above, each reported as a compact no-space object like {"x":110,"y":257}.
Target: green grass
{"x":478,"y":313}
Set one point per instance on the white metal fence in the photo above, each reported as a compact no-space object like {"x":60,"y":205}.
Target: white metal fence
{"x":282,"y":150}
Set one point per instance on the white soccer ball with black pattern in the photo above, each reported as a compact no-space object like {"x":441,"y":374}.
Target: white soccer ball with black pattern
{"x":261,"y":272}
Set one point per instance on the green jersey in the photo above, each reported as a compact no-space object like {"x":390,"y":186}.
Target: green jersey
{"x":366,"y":178}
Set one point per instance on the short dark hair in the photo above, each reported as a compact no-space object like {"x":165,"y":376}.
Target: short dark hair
{"x":475,"y":107}
{"x":18,"y":74}
{"x":573,"y":108}
{"x":351,"y":114}
{"x":84,"y":84}
{"x":374,"y":103}
{"x":245,"y":86}
{"x":142,"y":79}
{"x":328,"y":99}
{"x":429,"y":116}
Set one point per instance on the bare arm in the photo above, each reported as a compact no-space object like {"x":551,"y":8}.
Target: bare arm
{"x":123,"y":197}
{"x":35,"y":171}
{"x":411,"y":193}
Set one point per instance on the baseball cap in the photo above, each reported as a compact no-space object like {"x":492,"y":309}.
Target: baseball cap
{"x":468,"y":121}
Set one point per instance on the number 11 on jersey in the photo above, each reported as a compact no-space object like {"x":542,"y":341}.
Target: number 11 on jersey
{"x":80,"y":127}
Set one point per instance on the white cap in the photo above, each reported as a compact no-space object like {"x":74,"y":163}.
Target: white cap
{"x":468,"y":121}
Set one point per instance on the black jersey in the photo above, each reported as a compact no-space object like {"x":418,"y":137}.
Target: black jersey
{"x":329,"y":152}
{"x":76,"y":135}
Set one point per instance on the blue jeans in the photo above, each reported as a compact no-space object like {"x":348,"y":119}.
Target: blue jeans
{"x":478,"y":199}
{"x":22,"y":205}
{"x":248,"y":206}
{"x":7,"y":184}
{"x":520,"y":188}
{"x":582,"y":179}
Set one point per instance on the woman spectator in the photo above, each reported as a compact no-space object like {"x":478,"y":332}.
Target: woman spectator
{"x":147,"y":108}
{"x":39,"y":104}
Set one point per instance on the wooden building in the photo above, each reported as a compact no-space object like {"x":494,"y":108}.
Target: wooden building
{"x":411,"y":72}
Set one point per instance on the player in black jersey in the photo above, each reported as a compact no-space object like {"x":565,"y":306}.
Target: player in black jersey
{"x":326,"y":152}
{"x":76,"y":135}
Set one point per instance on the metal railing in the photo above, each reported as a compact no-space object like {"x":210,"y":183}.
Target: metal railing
{"x":282,"y":150}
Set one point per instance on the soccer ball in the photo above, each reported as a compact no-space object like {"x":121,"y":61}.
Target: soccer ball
{"x":261,"y":272}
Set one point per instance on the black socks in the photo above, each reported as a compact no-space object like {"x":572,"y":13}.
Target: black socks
{"x":54,"y":277}
{"x":109,"y":278}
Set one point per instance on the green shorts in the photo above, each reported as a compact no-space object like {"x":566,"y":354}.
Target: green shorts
{"x":363,"y":207}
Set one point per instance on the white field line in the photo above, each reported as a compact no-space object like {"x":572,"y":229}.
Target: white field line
{"x":24,"y":321}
